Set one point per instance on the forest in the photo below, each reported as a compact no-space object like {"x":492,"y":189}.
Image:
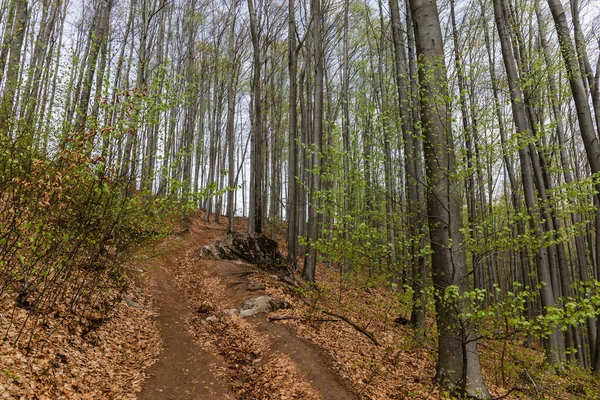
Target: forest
{"x":429,"y":168}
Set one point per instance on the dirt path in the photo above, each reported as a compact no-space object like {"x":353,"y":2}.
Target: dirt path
{"x":191,"y":370}
{"x":183,"y":370}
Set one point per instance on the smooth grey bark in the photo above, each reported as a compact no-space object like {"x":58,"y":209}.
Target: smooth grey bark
{"x":230,"y":121}
{"x":523,"y":263}
{"x":32,"y":88}
{"x":458,"y":361}
{"x":584,"y":115}
{"x":199,"y":140}
{"x":346,"y":126}
{"x":467,"y":133}
{"x":112,"y":117}
{"x":7,"y":36}
{"x":190,"y":104}
{"x":582,"y":56}
{"x":47,"y":108}
{"x":308,"y":273}
{"x":387,"y":151}
{"x":78,"y":72}
{"x":410,"y":174}
{"x":554,"y":348}
{"x":302,"y":153}
{"x":255,"y":220}
{"x":13,"y":66}
{"x":419,"y":170}
{"x":561,"y":137}
{"x":98,"y":37}
{"x":149,"y":164}
{"x":292,"y":196}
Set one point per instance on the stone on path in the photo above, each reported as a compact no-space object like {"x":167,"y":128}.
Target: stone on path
{"x":262,"y":304}
{"x":133,"y":304}
{"x":254,"y":286}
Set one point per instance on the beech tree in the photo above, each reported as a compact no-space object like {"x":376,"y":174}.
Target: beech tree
{"x":317,"y":133}
{"x":457,"y":341}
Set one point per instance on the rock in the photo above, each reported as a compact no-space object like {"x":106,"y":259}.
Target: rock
{"x":253,"y":286}
{"x":254,"y":248}
{"x":205,"y":308}
{"x":402,"y":321}
{"x":230,"y":311}
{"x":262,"y":304}
{"x":216,"y":252}
{"x":212,"y":318}
{"x":132,"y":303}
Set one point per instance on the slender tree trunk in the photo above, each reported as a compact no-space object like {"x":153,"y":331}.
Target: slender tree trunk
{"x":11,"y":81}
{"x":310,"y":262}
{"x":292,"y":197}
{"x":98,"y":38}
{"x":230,"y":121}
{"x":584,"y":116}
{"x":255,"y":220}
{"x":346,"y":127}
{"x":410,"y":168}
{"x":586,"y":69}
{"x":7,"y":37}
{"x":387,"y":166}
{"x":554,"y":353}
{"x":468,"y":137}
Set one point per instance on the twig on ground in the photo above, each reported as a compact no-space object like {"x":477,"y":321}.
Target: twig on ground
{"x":283,"y":317}
{"x":286,"y":317}
{"x":352,"y":324}
{"x":513,"y":389}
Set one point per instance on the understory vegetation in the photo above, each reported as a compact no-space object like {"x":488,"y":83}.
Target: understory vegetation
{"x":66,"y":226}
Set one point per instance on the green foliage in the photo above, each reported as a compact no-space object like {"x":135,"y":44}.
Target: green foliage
{"x":507,"y":313}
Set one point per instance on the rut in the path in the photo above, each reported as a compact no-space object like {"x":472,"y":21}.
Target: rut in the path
{"x":314,"y":365}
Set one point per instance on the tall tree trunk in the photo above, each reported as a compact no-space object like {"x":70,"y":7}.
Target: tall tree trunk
{"x":7,"y":37}
{"x":346,"y":127}
{"x":231,"y":120}
{"x":98,"y":37}
{"x":387,"y":150}
{"x":11,"y":81}
{"x":410,"y":172}
{"x":468,"y":137}
{"x":458,"y":359}
{"x":292,"y":197}
{"x":586,"y":69}
{"x":255,"y":220}
{"x":32,"y":88}
{"x":308,"y":273}
{"x":584,"y":115}
{"x":554,"y":348}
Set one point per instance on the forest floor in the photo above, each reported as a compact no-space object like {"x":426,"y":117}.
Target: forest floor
{"x":173,"y":337}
